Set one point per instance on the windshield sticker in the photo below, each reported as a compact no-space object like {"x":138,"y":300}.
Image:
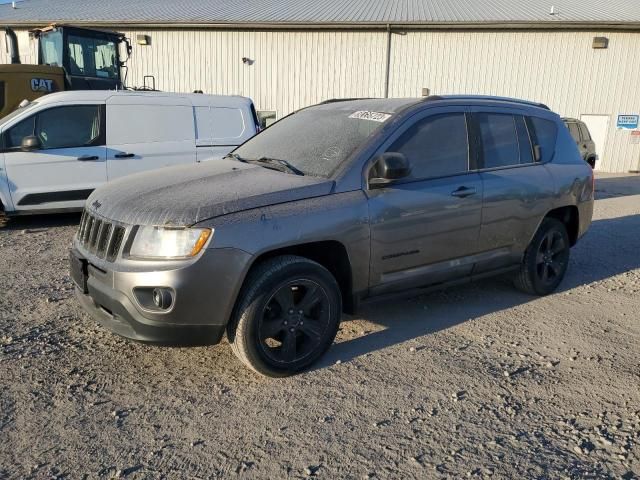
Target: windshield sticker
{"x":373,"y":116}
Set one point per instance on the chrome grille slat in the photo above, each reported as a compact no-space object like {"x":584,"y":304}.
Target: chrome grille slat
{"x":103,"y":241}
{"x":100,"y":237}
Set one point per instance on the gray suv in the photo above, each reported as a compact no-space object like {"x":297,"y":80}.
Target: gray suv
{"x":333,"y":205}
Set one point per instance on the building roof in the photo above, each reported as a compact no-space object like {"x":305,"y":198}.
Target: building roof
{"x":325,"y":12}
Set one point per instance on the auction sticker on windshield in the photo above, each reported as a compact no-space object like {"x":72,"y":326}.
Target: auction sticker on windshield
{"x":373,"y":116}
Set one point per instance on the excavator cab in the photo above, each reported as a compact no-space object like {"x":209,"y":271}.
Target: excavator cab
{"x":69,"y":58}
{"x":90,"y":58}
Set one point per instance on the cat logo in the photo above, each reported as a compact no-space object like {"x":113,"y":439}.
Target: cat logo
{"x":41,"y":85}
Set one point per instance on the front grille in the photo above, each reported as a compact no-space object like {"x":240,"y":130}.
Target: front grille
{"x":100,"y":237}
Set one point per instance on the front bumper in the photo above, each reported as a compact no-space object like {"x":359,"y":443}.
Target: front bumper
{"x":204,"y":291}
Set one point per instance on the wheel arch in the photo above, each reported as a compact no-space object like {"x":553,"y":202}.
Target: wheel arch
{"x":331,"y":254}
{"x":569,"y":215}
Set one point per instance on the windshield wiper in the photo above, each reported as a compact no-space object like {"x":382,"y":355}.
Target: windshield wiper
{"x":235,"y":156}
{"x":282,"y":165}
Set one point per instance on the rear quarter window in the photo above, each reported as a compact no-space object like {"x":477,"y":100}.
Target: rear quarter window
{"x":219,"y":124}
{"x":544,"y":134}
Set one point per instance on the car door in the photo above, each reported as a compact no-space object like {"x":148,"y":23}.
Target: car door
{"x":424,"y":228}
{"x":67,"y":166}
{"x":517,"y":188}
{"x":148,"y":133}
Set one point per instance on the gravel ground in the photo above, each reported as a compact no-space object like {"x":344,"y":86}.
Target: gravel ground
{"x":478,"y":381}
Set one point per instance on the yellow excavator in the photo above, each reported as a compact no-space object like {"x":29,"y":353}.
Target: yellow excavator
{"x":69,"y":58}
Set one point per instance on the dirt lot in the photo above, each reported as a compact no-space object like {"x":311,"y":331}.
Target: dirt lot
{"x":478,"y":381}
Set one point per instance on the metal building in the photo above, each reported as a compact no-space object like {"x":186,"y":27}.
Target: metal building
{"x":580,"y":57}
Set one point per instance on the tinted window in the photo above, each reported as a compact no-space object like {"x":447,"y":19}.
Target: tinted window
{"x":524,"y":142}
{"x":543,"y":134}
{"x":66,"y":127}
{"x":13,"y":137}
{"x":584,"y":131}
{"x":498,"y":139}
{"x":92,"y":57}
{"x":435,"y":146}
{"x":573,"y":129}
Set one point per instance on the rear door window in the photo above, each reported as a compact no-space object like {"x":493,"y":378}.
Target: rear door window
{"x":543,"y":135}
{"x":498,"y":139}
{"x":436,"y":146}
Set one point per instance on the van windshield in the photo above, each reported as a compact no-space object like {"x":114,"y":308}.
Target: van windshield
{"x":315,"y":141}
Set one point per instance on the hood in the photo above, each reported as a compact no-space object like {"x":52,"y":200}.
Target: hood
{"x":185,"y":195}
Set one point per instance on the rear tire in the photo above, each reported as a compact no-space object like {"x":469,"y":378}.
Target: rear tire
{"x":287,"y":316}
{"x":546,"y":259}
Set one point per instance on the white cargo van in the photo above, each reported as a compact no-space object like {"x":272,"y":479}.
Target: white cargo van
{"x":56,"y":150}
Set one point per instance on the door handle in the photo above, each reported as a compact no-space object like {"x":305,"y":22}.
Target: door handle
{"x":124,"y":155}
{"x":463,"y":192}
{"x":88,"y":158}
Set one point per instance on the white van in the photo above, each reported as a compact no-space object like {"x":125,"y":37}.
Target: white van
{"x":58,"y":149}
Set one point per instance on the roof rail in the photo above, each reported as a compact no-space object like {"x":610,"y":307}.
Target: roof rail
{"x":335,"y":100}
{"x":485,"y":97}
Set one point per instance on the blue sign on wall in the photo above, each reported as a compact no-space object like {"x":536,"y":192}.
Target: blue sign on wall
{"x":628,"y":121}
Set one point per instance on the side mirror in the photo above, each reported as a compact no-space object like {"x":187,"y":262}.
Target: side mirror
{"x":388,"y":167}
{"x":30,"y":143}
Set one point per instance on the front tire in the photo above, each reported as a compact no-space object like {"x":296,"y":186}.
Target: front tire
{"x":287,"y":316}
{"x":546,"y":259}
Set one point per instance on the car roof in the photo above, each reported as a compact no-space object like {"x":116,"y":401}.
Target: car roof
{"x":395,"y":105}
{"x":104,"y":95}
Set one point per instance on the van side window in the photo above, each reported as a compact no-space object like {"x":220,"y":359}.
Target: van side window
{"x":543,"y":135}
{"x":219,"y":123}
{"x":67,"y":127}
{"x":13,"y":137}
{"x":436,"y":146}
{"x":498,"y":139}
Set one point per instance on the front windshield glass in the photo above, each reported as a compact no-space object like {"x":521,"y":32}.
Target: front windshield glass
{"x":315,"y":140}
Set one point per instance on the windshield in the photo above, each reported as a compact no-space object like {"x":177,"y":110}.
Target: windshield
{"x":316,"y":141}
{"x":17,"y":112}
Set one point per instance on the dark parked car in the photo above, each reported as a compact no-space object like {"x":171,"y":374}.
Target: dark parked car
{"x":333,"y":205}
{"x":582,"y":137}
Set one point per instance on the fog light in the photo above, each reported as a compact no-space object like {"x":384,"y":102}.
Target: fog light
{"x":162,"y":298}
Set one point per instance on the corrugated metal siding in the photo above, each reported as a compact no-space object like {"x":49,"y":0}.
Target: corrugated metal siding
{"x":559,"y":69}
{"x":296,"y":69}
{"x":327,"y":11}
{"x":290,"y":70}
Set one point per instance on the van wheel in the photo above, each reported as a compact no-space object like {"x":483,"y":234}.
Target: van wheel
{"x":287,"y":316}
{"x":545,"y":260}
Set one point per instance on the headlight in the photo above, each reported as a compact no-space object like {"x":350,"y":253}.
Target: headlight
{"x":168,"y":242}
